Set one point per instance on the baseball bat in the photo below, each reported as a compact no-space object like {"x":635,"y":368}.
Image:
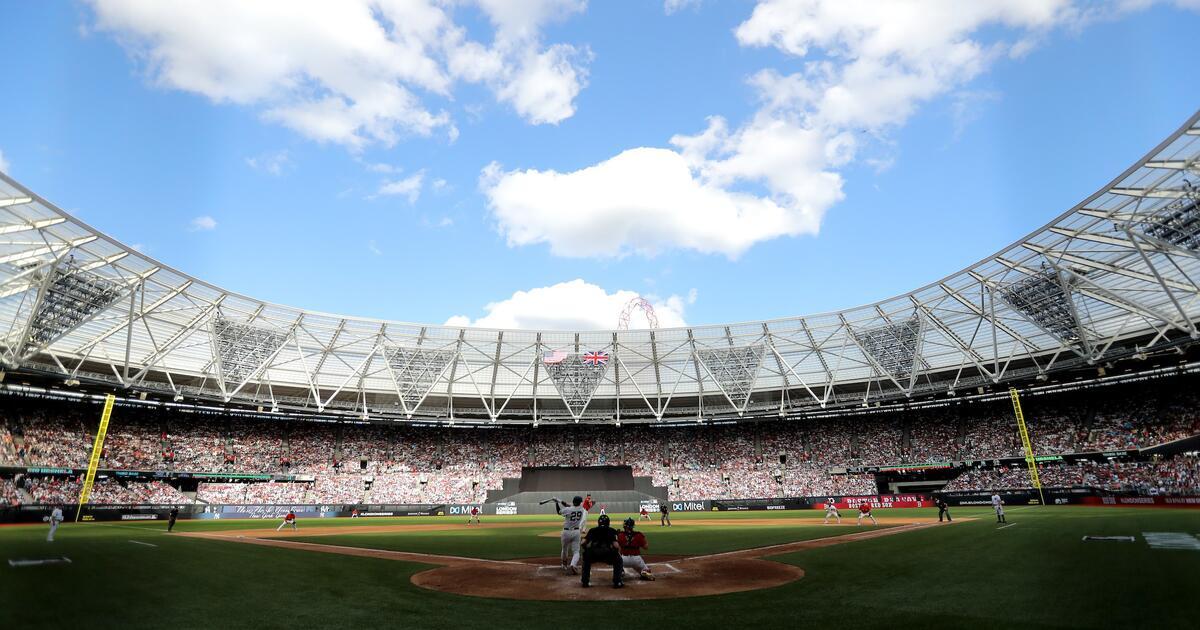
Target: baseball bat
{"x":547,"y":501}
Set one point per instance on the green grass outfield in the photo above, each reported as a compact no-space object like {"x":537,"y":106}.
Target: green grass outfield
{"x":1035,"y":573}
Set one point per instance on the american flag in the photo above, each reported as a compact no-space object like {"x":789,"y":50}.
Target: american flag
{"x":554,"y":357}
{"x":596,"y":358}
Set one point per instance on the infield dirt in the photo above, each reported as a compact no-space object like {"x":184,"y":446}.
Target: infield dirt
{"x":542,"y":579}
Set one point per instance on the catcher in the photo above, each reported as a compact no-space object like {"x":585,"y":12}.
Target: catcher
{"x":632,"y":543}
{"x":600,"y":545}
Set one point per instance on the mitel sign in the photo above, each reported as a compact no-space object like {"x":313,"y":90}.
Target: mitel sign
{"x":689,"y":506}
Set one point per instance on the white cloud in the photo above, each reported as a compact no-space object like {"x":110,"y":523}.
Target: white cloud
{"x":353,"y":72}
{"x":273,"y":162}
{"x":574,"y":305}
{"x":203,"y":224}
{"x":373,"y":247}
{"x":4,"y":165}
{"x":671,"y":6}
{"x":865,"y":66}
{"x":409,"y":187}
{"x":642,"y":201}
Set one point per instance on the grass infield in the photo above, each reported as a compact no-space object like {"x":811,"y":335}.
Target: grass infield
{"x":1036,"y":573}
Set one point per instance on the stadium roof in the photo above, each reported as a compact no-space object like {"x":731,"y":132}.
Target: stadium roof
{"x":1116,"y":275}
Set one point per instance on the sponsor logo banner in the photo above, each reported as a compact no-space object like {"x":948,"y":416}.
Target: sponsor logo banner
{"x":506,"y":508}
{"x":689,"y":506}
{"x":139,"y":517}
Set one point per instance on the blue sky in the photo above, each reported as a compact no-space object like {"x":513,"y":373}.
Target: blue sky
{"x":499,"y":151}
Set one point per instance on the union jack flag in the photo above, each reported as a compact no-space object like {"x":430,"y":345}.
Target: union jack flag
{"x":596,"y":358}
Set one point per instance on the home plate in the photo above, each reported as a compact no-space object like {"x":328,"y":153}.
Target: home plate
{"x":38,"y":562}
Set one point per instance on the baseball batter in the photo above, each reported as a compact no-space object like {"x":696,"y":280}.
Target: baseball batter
{"x":573,"y":517}
{"x":864,"y":511}
{"x":831,"y":510}
{"x":290,"y":519}
{"x":54,"y":519}
{"x":632,"y":543}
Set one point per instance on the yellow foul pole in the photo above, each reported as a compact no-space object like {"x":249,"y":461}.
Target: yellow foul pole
{"x":1030,"y":458}
{"x":94,"y":461}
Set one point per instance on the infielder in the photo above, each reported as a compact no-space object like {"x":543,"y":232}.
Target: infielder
{"x":865,"y":510}
{"x":573,"y":516}
{"x":998,"y":505}
{"x":632,"y":543}
{"x":54,"y":519}
{"x":290,"y":519}
{"x":831,"y":510}
{"x":645,"y":514}
{"x":474,"y":515}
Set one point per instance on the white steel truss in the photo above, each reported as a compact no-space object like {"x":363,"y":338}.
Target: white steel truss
{"x":415,"y":371}
{"x":575,"y":380}
{"x":735,"y":370}
{"x":1117,"y":275}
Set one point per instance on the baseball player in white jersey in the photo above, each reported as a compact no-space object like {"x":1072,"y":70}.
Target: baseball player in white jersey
{"x":831,"y":510}
{"x":998,"y":505}
{"x":54,"y":519}
{"x":574,"y":517}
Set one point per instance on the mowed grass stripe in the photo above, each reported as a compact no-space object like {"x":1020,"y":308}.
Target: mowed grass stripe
{"x":1038,"y":575}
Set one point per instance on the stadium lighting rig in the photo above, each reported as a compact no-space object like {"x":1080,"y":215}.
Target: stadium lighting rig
{"x":243,"y":348}
{"x":1177,"y":223}
{"x":893,"y":347}
{"x":71,"y":296}
{"x":1043,"y":297}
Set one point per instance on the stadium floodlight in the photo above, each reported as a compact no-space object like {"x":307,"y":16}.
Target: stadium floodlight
{"x":893,"y":347}
{"x":734,"y":369}
{"x":71,"y":297}
{"x":576,"y":377}
{"x":243,"y":350}
{"x":415,"y":371}
{"x":1176,"y":223}
{"x":1043,"y":297}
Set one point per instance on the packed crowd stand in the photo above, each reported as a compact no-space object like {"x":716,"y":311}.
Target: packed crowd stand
{"x":1170,"y":476}
{"x":360,"y":462}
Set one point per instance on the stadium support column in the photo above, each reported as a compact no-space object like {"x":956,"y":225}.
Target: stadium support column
{"x":94,"y":460}
{"x":1030,"y":458}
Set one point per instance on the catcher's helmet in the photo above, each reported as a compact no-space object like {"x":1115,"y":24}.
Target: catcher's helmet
{"x":603,"y":520}
{"x":628,"y":524}
{"x":577,"y":500}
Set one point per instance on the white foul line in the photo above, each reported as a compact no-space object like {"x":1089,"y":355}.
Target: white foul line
{"x":138,"y":542}
{"x":1005,"y":526}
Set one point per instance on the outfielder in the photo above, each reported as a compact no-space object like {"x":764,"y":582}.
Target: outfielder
{"x":573,"y":516}
{"x":632,"y":543}
{"x":831,"y":510}
{"x":290,"y":519}
{"x":54,"y":519}
{"x":998,"y":505}
{"x":865,"y":510}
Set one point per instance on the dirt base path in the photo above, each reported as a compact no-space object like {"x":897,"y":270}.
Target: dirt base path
{"x":543,"y":579}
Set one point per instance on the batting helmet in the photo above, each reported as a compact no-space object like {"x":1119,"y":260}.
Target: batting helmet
{"x":628,"y":524}
{"x":603,"y":520}
{"x":577,"y":500}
